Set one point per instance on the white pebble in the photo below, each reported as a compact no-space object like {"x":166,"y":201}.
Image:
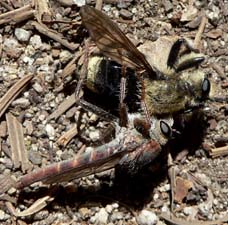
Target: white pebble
{"x":65,"y":56}
{"x":190,"y":211}
{"x":80,"y":3}
{"x":23,"y":102}
{"x":115,"y":205}
{"x":156,"y":196}
{"x":50,"y":131}
{"x":2,"y":215}
{"x":11,"y":43}
{"x":101,"y":216}
{"x":22,"y":34}
{"x":94,"y":135}
{"x":147,"y":217}
{"x":164,"y":188}
{"x":109,"y":208}
{"x":37,"y":87}
{"x":36,"y":42}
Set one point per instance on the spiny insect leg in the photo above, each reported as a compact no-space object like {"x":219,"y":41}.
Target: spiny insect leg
{"x":97,"y":110}
{"x":122,"y":105}
{"x":175,"y":50}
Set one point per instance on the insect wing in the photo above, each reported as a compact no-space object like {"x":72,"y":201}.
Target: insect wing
{"x":70,"y":171}
{"x":112,"y":42}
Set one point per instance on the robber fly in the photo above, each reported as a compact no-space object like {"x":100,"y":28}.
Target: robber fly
{"x":140,"y":133}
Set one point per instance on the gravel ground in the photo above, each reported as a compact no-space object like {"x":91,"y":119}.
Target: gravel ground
{"x":110,"y":197}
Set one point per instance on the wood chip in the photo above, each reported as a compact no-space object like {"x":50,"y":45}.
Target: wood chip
{"x":42,"y":10}
{"x":172,"y":178}
{"x":19,"y":154}
{"x":182,"y":188}
{"x":6,"y":182}
{"x":99,"y":4}
{"x":65,"y":138}
{"x":71,"y":66}
{"x":43,"y":29}
{"x":7,"y":6}
{"x":34,"y":208}
{"x":13,"y":92}
{"x":176,"y":221}
{"x":69,"y":102}
{"x":17,"y":15}
{"x":200,"y":32}
{"x":221,"y":151}
{"x":214,"y":34}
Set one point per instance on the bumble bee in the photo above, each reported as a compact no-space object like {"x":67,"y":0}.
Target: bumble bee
{"x":159,"y":79}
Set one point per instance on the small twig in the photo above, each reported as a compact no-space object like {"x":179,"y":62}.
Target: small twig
{"x":99,"y":4}
{"x":16,"y":136}
{"x":42,"y":10}
{"x":221,"y":151}
{"x":5,"y":5}
{"x":177,"y":221}
{"x":66,"y":137}
{"x":70,"y":101}
{"x":200,"y":32}
{"x":34,"y":208}
{"x":71,"y":66}
{"x":13,"y":92}
{"x":54,"y":35}
{"x":17,"y":15}
{"x":172,"y":178}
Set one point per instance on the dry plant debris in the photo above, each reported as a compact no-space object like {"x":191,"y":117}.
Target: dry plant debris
{"x":19,"y":154}
{"x":41,"y":46}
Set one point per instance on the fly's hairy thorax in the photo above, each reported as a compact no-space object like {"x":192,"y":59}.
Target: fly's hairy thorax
{"x":164,"y":97}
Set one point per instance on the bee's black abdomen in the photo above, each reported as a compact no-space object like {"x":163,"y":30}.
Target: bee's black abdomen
{"x":107,"y":83}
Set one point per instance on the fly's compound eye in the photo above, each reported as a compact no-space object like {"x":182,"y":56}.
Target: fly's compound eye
{"x":165,"y":129}
{"x":206,"y":86}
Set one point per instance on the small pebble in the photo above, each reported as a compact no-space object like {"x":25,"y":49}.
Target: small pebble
{"x":11,"y":43}
{"x":50,"y":131}
{"x":165,"y":188}
{"x":65,"y":56}
{"x":116,"y":216}
{"x":115,"y":205}
{"x":22,"y":34}
{"x":2,"y":215}
{"x":156,"y":196}
{"x":167,"y":5}
{"x":147,"y":217}
{"x":79,"y":3}
{"x":35,"y":157}
{"x":125,"y":14}
{"x":190,"y":211}
{"x":101,"y":217}
{"x":22,"y":102}
{"x":36,"y":42}
{"x":94,"y":135}
{"x":109,"y":208}
{"x":204,"y":179}
{"x":37,"y":87}
{"x":84,"y":212}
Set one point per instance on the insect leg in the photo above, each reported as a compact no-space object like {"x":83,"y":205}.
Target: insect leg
{"x":83,"y":72}
{"x":143,"y":125}
{"x":97,"y":110}
{"x":193,"y":61}
{"x":172,"y":61}
{"x":174,"y":52}
{"x":122,"y":105}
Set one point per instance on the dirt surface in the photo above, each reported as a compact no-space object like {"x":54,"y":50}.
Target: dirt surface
{"x":41,"y":47}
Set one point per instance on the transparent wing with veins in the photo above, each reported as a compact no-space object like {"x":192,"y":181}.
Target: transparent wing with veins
{"x":112,"y":42}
